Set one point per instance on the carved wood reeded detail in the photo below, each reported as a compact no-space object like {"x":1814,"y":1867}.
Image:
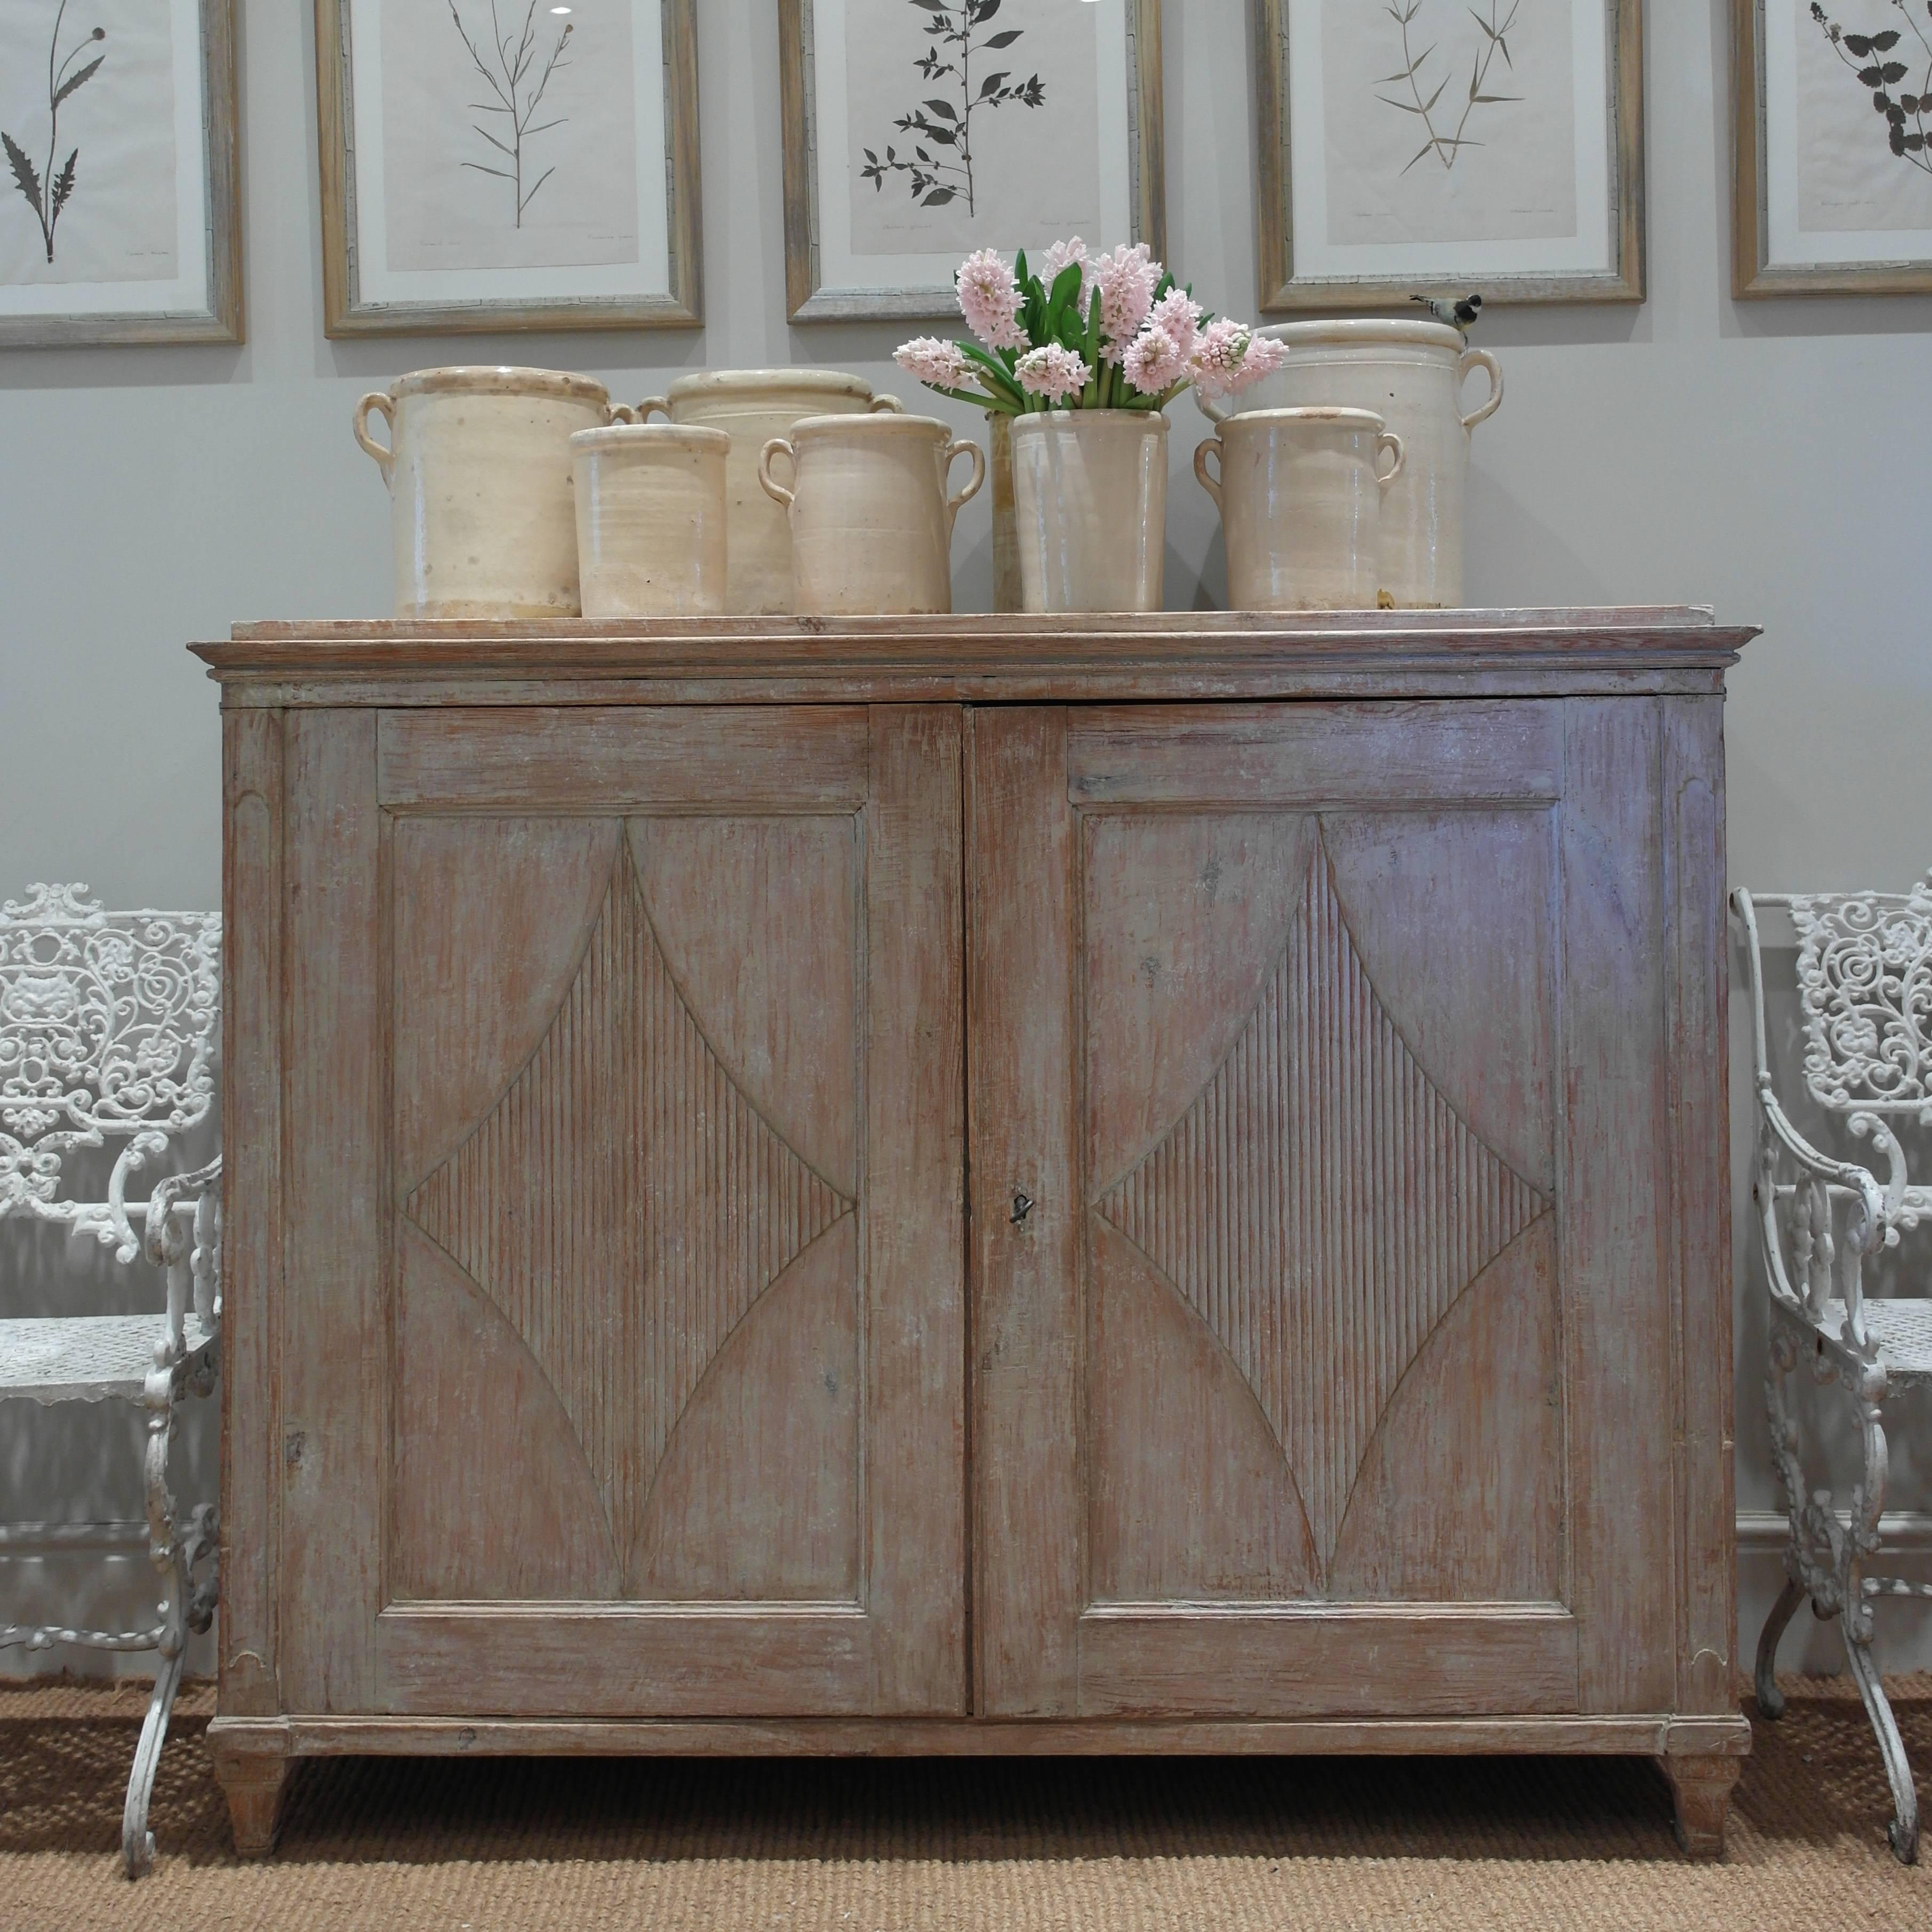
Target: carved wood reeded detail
{"x":624,"y":1205}
{"x":1321,"y":1206}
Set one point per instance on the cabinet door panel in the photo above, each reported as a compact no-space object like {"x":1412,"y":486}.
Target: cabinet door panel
{"x":1287,"y":1342}
{"x":669,"y":1343}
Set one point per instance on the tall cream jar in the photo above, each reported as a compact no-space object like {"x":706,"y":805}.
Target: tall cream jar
{"x":478,"y":464}
{"x":869,"y":518}
{"x":1412,"y":375}
{"x":1090,"y":508}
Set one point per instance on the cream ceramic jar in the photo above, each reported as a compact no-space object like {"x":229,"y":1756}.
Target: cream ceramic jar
{"x":1411,"y":374}
{"x":1090,"y":508}
{"x":871,"y":522}
{"x":477,"y":464}
{"x":1301,"y":502}
{"x":752,"y":406}
{"x":650,"y":520}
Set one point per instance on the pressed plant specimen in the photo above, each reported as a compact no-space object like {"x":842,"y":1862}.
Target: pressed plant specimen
{"x":945,"y":121}
{"x":1446,"y":147}
{"x":1868,"y":55}
{"x":518,"y":73}
{"x":50,"y":192}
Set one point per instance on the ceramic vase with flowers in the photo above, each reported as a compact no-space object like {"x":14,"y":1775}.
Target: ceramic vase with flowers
{"x":1083,"y":358}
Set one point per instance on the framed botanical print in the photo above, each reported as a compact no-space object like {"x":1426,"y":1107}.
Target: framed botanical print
{"x":493,"y":164}
{"x":917,"y":131}
{"x":1833,"y":173}
{"x":119,"y":217}
{"x":1447,"y":147}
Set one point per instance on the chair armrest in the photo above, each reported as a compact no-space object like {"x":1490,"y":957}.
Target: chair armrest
{"x":191,"y":1254}
{"x":1872,"y":1227}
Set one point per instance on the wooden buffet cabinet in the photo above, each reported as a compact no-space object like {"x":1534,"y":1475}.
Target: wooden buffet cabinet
{"x":978,"y":1185}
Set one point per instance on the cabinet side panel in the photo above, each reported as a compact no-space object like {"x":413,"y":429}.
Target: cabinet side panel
{"x":329,"y":1449}
{"x":251,"y":914}
{"x":913,"y":1253}
{"x":1028,"y":1585}
{"x":1615,"y":1200}
{"x":1693,"y":796}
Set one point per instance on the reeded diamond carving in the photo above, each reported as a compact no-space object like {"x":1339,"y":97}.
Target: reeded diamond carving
{"x":624,"y":1205}
{"x":1321,"y":1206}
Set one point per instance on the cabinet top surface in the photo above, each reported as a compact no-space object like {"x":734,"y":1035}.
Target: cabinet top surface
{"x":1173,"y":656}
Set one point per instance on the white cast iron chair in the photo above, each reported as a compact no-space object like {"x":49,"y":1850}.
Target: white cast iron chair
{"x":108,"y":1023}
{"x":1865,"y":977}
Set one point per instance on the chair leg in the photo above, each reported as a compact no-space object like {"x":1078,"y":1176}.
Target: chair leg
{"x":1903,"y":1831}
{"x":1781,"y":1359}
{"x":1770,"y":1698}
{"x":137,"y":1842}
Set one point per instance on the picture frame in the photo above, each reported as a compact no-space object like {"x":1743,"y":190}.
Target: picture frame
{"x":1814,"y":209}
{"x":1113,"y":188}
{"x":462,"y":241}
{"x":139,"y":224}
{"x":1344,"y":235}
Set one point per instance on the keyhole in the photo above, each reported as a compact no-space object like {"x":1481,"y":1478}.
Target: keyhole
{"x":1022,"y":1207}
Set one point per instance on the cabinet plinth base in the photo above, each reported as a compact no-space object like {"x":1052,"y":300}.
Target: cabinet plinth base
{"x":253,"y":1759}
{"x":249,"y":1739}
{"x":1701,"y":1786}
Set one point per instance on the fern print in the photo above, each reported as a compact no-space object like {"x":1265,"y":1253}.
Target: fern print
{"x":1870,"y":57}
{"x":518,"y":75}
{"x":48,"y":194}
{"x":1495,"y":27}
{"x":944,"y":121}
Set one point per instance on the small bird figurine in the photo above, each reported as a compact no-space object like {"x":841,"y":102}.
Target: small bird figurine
{"x":1461,"y":315}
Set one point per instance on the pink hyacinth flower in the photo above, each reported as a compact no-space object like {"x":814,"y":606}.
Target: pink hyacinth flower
{"x":933,"y":360}
{"x":1154,"y":362}
{"x":1229,"y":356}
{"x":1126,"y":279}
{"x":1178,"y":316}
{"x":1059,"y":256}
{"x":1053,"y":372}
{"x":990,"y":302}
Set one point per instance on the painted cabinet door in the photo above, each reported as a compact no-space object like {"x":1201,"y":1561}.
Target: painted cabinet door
{"x":1322,"y":1328}
{"x":623,"y":1346}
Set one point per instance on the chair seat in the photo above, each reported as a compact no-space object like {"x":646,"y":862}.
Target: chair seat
{"x":1902,"y":1329}
{"x":85,"y":1358}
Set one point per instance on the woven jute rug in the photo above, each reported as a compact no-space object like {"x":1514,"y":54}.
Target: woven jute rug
{"x":472,"y":1846}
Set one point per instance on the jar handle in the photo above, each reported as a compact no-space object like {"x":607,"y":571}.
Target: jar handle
{"x":778,"y":493}
{"x":972,"y":490}
{"x":622,"y":412}
{"x":1389,"y":440}
{"x":650,"y":406}
{"x":1217,"y":409}
{"x":881,"y":404}
{"x":378,"y":404}
{"x":1212,"y":485}
{"x":1480,"y":359}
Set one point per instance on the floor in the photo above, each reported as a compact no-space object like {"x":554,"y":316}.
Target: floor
{"x":878,"y":1847}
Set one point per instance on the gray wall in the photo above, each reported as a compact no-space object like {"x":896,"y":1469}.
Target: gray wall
{"x":1766,"y":458}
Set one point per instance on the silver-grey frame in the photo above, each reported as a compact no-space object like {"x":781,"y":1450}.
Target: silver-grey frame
{"x":345,"y":313}
{"x":220,"y":318}
{"x":1283,"y":291}
{"x":806,"y":297}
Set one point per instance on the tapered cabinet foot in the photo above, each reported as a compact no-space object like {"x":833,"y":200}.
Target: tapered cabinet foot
{"x":1701,"y":1786}
{"x":253,"y":1767}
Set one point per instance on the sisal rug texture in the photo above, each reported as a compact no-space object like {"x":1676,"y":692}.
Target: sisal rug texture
{"x":1008,"y":1845}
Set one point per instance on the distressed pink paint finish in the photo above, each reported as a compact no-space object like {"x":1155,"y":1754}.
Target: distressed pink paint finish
{"x":610,"y":1327}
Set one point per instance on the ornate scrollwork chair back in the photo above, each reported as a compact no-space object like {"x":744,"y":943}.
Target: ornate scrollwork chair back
{"x":108,"y":1029}
{"x":1864,"y":983}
